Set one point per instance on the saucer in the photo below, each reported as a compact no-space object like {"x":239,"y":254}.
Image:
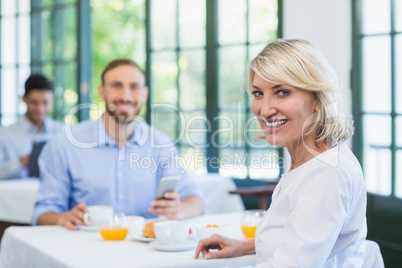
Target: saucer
{"x":140,"y":237}
{"x":88,"y":228}
{"x":187,"y":245}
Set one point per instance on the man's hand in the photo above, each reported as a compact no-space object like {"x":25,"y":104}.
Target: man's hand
{"x":25,"y":160}
{"x":70,"y":218}
{"x":227,"y":247}
{"x":170,"y":206}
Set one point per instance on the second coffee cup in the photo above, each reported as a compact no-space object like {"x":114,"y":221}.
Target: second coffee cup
{"x":96,"y":214}
{"x":171,"y":232}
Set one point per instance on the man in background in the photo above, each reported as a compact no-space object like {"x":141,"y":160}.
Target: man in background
{"x":93,"y":165}
{"x":17,"y":140}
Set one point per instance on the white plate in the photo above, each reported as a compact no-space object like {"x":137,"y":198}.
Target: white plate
{"x":88,"y":228}
{"x":187,"y":245}
{"x":141,"y":237}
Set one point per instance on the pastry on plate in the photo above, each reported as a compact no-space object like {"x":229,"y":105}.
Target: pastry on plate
{"x":149,"y":229}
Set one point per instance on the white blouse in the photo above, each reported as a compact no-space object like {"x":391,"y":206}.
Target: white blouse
{"x":317,"y":217}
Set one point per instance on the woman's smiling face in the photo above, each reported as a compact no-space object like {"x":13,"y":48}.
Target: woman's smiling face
{"x":281,"y":110}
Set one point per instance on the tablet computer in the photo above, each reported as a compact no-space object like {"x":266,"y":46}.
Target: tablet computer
{"x":33,"y":168}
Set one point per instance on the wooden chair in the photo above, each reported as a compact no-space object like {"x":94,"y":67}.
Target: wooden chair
{"x":5,"y":225}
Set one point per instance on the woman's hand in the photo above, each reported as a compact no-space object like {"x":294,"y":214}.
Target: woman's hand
{"x":227,"y":247}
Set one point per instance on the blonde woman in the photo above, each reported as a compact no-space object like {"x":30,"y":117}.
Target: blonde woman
{"x":317,"y":214}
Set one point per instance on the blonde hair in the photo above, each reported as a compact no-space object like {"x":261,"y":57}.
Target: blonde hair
{"x":297,"y":63}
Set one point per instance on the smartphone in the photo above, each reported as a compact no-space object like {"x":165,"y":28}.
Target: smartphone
{"x":166,"y":184}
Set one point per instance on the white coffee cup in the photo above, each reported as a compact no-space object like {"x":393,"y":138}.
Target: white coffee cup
{"x":135,"y":225}
{"x":171,"y":232}
{"x":96,"y":214}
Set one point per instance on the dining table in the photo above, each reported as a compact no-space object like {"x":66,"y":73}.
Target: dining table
{"x":17,"y":199}
{"x":56,"y":246}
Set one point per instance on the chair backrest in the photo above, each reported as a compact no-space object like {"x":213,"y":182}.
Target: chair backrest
{"x":216,"y":192}
{"x":373,"y":256}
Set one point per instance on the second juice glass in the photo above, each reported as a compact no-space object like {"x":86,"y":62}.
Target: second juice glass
{"x":250,"y":220}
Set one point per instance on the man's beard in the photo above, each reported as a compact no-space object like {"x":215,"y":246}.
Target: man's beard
{"x":122,"y":118}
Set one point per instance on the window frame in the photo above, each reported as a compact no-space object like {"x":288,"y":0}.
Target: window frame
{"x":16,"y":65}
{"x":386,"y":232}
{"x":82,"y":59}
{"x":212,"y":47}
{"x":358,"y":88}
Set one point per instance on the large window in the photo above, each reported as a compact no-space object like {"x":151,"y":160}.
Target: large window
{"x":378,"y":42}
{"x":197,"y":54}
{"x":377,"y":102}
{"x":55,"y":49}
{"x":48,"y":37}
{"x":15,"y":57}
{"x":118,"y":31}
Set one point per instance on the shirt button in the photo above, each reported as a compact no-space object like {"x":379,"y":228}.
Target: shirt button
{"x":120,"y":174}
{"x":121,"y":196}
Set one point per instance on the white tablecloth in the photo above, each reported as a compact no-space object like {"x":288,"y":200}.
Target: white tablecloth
{"x":17,"y":199}
{"x":54,"y":246}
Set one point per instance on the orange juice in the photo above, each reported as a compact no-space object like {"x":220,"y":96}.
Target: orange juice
{"x":113,"y":234}
{"x":249,"y":230}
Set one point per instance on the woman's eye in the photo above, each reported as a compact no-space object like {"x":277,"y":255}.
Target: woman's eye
{"x":256,"y":93}
{"x":282,"y":92}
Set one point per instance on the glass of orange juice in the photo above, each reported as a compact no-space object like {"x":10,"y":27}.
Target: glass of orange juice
{"x":114,"y":227}
{"x":250,"y":220}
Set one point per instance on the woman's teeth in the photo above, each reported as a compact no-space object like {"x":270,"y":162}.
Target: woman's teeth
{"x":276,"y":123}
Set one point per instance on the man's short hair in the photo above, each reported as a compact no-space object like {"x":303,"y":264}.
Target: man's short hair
{"x":119,"y":62}
{"x":37,"y":82}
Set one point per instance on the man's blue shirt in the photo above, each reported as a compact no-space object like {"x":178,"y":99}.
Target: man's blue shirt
{"x":85,"y":165}
{"x":16,"y":142}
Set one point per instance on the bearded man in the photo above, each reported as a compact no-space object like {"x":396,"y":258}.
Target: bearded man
{"x":96,"y":162}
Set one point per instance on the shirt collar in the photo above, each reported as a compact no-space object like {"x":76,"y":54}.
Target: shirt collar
{"x":28,"y":126}
{"x":103,"y":136}
{"x":47,"y":125}
{"x":139,"y":136}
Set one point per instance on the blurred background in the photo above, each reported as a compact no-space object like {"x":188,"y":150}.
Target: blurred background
{"x":194,"y":53}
